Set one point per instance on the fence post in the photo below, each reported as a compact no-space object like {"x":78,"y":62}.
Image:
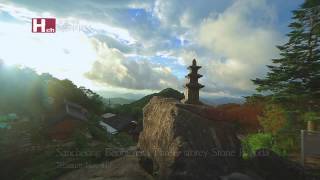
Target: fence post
{"x":302,"y":147}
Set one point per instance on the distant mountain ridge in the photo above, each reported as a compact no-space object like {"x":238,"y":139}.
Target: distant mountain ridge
{"x":117,"y":101}
{"x":168,"y":92}
{"x":135,"y":108}
{"x":127,"y":98}
{"x":222,"y":100}
{"x":115,"y":94}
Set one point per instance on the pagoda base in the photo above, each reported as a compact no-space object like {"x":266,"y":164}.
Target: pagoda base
{"x":188,"y":101}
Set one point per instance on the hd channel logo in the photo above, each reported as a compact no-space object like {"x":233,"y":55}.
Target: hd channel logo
{"x":43,"y":25}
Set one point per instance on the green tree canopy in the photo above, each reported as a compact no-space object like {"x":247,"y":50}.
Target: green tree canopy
{"x":294,"y":78}
{"x":26,"y":93}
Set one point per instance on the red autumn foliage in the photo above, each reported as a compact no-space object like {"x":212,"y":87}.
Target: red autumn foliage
{"x":246,"y":115}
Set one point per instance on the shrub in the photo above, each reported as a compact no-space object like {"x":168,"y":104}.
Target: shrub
{"x":274,"y":118}
{"x":244,"y":116}
{"x":98,"y":133}
{"x":254,"y":142}
{"x":311,"y":116}
{"x":80,"y":140}
{"x":280,"y":144}
{"x":122,"y":140}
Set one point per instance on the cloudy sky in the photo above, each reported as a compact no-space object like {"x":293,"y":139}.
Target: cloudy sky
{"x":142,"y":46}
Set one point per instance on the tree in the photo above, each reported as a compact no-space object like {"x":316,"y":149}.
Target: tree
{"x":294,"y":78}
{"x":273,"y":119}
{"x":61,"y":90}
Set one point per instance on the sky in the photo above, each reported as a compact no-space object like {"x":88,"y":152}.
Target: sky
{"x":142,"y":46}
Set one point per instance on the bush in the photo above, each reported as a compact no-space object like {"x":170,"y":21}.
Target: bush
{"x":280,"y":144}
{"x":254,"y":142}
{"x":98,"y":133}
{"x":285,"y":143}
{"x":80,"y":140}
{"x":274,"y":118}
{"x":122,"y":140}
{"x":311,"y":116}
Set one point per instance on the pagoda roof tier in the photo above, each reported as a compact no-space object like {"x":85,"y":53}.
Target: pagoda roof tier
{"x":190,"y":75}
{"x":194,"y":67}
{"x":197,"y":86}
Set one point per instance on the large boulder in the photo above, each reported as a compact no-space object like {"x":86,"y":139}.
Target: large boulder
{"x":182,"y":144}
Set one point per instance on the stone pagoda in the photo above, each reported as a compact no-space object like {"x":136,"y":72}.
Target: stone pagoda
{"x":192,"y":87}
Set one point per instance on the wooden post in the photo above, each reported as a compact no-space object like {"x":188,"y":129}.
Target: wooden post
{"x":311,"y":126}
{"x":302,"y":148}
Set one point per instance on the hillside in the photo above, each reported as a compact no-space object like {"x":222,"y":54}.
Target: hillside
{"x":120,"y":100}
{"x":168,"y":92}
{"x":135,"y":108}
{"x":31,"y":106}
{"x":221,"y":100}
{"x":117,"y":101}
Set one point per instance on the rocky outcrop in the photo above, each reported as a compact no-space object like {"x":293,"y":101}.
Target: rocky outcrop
{"x":184,"y":145}
{"x":179,"y":143}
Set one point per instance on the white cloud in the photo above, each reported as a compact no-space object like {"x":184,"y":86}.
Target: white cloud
{"x":241,"y":48}
{"x":185,"y":57}
{"x":72,"y":24}
{"x":113,"y":69}
{"x":233,"y":40}
{"x":47,"y":52}
{"x":19,"y":13}
{"x":187,"y":13}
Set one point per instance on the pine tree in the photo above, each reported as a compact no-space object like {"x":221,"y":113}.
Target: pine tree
{"x":294,"y":78}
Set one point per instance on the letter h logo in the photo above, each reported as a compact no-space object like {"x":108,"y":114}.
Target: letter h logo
{"x":43,"y":25}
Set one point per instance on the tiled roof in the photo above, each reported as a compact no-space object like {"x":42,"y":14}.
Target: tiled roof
{"x":119,"y":122}
{"x":70,"y":109}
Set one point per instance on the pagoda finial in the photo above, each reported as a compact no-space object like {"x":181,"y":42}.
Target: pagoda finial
{"x":194,"y":62}
{"x":192,"y":87}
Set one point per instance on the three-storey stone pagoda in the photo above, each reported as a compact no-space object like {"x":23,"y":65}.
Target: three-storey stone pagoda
{"x":192,"y":87}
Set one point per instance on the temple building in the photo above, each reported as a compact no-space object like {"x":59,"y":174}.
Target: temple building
{"x":192,"y":87}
